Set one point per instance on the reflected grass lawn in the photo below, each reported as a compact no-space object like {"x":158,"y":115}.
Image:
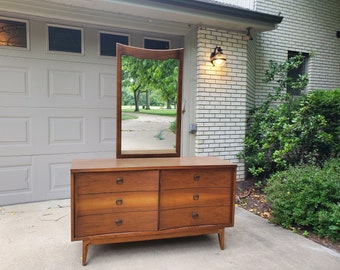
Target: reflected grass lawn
{"x":155,"y":111}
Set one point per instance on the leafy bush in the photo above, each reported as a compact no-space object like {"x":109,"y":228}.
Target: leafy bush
{"x":296,"y":132}
{"x":308,"y":197}
{"x":173,"y":126}
{"x":286,"y":131}
{"x":327,"y":104}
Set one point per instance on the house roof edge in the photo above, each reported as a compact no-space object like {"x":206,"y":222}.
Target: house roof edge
{"x":224,"y":9}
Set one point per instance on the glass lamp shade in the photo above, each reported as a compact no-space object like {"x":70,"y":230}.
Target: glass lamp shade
{"x":219,"y":60}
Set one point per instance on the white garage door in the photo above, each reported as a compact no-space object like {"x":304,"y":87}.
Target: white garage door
{"x":54,"y":107}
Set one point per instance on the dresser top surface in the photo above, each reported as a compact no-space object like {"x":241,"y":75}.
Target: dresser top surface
{"x":92,"y":165}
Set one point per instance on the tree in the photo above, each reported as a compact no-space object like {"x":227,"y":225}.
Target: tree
{"x":146,"y":75}
{"x":137,"y":76}
{"x":166,"y":76}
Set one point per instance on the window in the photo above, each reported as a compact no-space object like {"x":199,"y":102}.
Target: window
{"x":62,"y":39}
{"x":13,"y":33}
{"x":156,"y":44}
{"x":294,"y":73}
{"x":108,"y":43}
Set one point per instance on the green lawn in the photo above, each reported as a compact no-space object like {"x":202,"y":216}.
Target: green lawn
{"x":154,"y":110}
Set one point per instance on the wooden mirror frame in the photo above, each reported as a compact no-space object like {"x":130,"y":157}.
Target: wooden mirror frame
{"x":153,"y":55}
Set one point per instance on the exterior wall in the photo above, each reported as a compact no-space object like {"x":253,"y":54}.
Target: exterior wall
{"x":221,"y":96}
{"x":307,"y":26}
{"x":251,"y":75}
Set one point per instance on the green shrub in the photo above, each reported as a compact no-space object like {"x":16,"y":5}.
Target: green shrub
{"x":173,"y":126}
{"x":327,"y":104}
{"x":286,"y":131}
{"x":305,"y":130}
{"x":307,"y":197}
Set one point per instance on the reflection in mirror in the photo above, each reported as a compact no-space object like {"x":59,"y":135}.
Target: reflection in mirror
{"x":148,"y":102}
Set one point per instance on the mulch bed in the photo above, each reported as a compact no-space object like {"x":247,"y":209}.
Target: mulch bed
{"x":253,"y":199}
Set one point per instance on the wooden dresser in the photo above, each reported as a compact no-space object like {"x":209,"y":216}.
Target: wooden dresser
{"x":124,"y":200}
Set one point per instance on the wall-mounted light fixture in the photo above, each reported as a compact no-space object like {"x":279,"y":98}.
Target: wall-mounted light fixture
{"x":217,"y":58}
{"x":249,"y":36}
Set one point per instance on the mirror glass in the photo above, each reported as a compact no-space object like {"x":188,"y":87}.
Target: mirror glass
{"x":149,"y":92}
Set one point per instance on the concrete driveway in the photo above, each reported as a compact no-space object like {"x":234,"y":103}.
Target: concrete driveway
{"x":149,"y":132}
{"x":37,"y":236}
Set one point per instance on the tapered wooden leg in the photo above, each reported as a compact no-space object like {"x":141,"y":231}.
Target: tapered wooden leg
{"x":221,"y":238}
{"x":85,"y":249}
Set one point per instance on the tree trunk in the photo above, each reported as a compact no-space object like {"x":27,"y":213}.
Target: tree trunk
{"x":147,"y":101}
{"x":136,"y":96}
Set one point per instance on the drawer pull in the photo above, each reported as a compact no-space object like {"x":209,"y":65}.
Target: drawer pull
{"x":120,"y":181}
{"x":195,"y":215}
{"x":119,"y":222}
{"x":196,"y":178}
{"x":119,"y":201}
{"x":195,"y":197}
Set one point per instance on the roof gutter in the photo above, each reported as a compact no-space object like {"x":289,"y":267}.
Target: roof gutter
{"x":166,"y":16}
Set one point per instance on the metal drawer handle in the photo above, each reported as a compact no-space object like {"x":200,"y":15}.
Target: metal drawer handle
{"x":120,"y":181}
{"x":195,"y":215}
{"x":119,"y":221}
{"x":195,"y":197}
{"x":196,"y":178}
{"x":119,"y":201}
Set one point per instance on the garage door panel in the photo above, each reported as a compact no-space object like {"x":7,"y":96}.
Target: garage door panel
{"x":15,"y":130}
{"x":107,"y":131}
{"x":15,"y":179}
{"x":107,"y":87}
{"x":36,"y":131}
{"x":41,"y":83}
{"x":66,"y":83}
{"x":66,"y":130}
{"x":19,"y":86}
{"x":52,"y":174}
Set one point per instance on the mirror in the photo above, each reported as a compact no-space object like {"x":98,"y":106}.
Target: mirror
{"x":149,"y":94}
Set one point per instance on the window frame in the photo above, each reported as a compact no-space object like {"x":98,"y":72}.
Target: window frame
{"x":66,"y":27}
{"x":110,"y":33}
{"x":157,"y":39}
{"x":27,"y":48}
{"x":303,"y":66}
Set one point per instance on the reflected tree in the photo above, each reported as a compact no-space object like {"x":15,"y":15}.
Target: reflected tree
{"x":146,"y":75}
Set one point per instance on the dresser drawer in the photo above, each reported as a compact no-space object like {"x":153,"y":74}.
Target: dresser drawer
{"x":194,"y":197}
{"x":93,"y":204}
{"x":174,"y":179}
{"x":116,"y":223}
{"x":101,"y":182}
{"x":195,"y":216}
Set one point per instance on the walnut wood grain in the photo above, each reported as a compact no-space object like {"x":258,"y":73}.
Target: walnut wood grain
{"x":94,"y":204}
{"x":194,"y":178}
{"x":102,"y":182}
{"x":184,"y":217}
{"x":194,"y":197}
{"x":108,"y":223}
{"x":114,"y":201}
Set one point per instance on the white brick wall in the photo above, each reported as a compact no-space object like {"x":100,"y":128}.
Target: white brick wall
{"x":308,"y":25}
{"x":221,"y":96}
{"x":225,"y":95}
